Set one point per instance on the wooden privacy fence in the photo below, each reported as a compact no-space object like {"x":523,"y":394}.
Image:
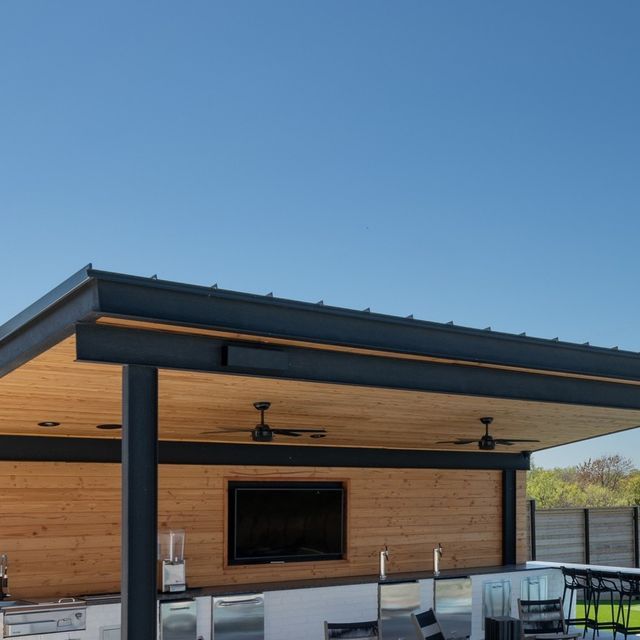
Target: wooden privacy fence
{"x":608,"y":536}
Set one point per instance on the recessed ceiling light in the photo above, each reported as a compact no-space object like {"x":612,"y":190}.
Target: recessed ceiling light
{"x":109,"y":426}
{"x":48,"y":423}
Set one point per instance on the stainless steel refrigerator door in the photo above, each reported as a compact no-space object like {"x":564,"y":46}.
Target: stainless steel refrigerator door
{"x":397,"y":601}
{"x":496,"y":599}
{"x":534,"y":588}
{"x":238,"y":617}
{"x":178,"y":620}
{"x":452,"y":605}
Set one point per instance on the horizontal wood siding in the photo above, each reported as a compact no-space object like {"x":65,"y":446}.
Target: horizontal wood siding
{"x":61,"y":522}
{"x":560,"y":535}
{"x":522,"y":517}
{"x":611,"y":536}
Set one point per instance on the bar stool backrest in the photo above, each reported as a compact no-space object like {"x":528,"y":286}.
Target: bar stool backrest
{"x":629,"y":584}
{"x":599,"y":582}
{"x":541,"y":616}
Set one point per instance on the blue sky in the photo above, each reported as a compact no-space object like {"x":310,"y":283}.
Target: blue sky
{"x":469,"y":161}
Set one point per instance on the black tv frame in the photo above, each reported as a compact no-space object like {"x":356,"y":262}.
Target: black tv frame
{"x":232,"y":489}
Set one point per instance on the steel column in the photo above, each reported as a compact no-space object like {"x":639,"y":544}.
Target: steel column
{"x":636,"y":537}
{"x":139,"y":502}
{"x":509,"y":516}
{"x":532,"y":528}
{"x":587,"y":538}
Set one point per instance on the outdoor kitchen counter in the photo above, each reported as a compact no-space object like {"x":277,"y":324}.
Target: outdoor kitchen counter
{"x":315,"y":583}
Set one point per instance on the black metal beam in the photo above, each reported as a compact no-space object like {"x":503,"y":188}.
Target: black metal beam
{"x":117,"y":345}
{"x":58,"y":449}
{"x":164,"y":301}
{"x":47,"y":321}
{"x":532,"y":529}
{"x":636,"y":537}
{"x":509,"y":529}
{"x":139,"y":502}
{"x":587,"y":536}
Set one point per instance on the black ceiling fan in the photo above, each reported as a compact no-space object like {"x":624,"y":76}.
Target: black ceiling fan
{"x":487,"y":442}
{"x":262,"y":432}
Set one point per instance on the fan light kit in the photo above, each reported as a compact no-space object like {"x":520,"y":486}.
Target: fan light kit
{"x":262,"y":432}
{"x":486,"y":442}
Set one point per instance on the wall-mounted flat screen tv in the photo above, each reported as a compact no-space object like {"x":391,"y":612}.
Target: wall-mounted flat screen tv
{"x":286,"y":522}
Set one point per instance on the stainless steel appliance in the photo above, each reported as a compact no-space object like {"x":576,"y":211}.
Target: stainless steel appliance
{"x":171,"y":556}
{"x":534,"y":588}
{"x":397,"y":601}
{"x":238,"y":617}
{"x":178,"y":620}
{"x":452,"y":605}
{"x":496,"y":599}
{"x":4,"y":576}
{"x":50,"y":617}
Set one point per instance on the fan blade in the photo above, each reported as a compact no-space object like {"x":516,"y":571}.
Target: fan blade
{"x":286,"y":432}
{"x":509,"y":441}
{"x":459,"y":441}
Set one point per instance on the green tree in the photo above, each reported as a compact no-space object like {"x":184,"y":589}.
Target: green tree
{"x":631,"y":488}
{"x":550,"y":491}
{"x":608,"y":481}
{"x":605,"y":471}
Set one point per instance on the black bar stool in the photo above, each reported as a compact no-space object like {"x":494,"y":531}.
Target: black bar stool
{"x":629,"y":589}
{"x":574,"y":580}
{"x":599,"y":586}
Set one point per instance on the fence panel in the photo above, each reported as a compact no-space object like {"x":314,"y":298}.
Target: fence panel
{"x":612,"y":536}
{"x":561,"y":536}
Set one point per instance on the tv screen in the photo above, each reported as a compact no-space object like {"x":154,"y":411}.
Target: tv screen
{"x":286,"y":521}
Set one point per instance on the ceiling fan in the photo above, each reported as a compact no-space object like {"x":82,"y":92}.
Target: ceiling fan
{"x":262,"y":432}
{"x":487,"y":442}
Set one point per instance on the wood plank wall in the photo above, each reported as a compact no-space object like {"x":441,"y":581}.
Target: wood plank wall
{"x":60,"y":522}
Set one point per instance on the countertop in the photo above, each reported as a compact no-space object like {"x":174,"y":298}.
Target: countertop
{"x":236,"y":589}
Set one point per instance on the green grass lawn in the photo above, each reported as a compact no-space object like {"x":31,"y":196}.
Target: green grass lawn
{"x":604,"y":612}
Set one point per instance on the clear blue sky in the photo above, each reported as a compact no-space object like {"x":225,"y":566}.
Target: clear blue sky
{"x":468,"y":161}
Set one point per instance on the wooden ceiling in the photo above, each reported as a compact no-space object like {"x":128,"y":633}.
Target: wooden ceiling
{"x":54,"y":387}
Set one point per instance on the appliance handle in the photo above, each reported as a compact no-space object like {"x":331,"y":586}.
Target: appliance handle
{"x":180,"y":608}
{"x":237,"y":603}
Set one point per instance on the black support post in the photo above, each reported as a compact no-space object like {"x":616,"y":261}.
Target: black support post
{"x":139,"y":502}
{"x":532,"y":528}
{"x":508,"y":516}
{"x":587,"y":538}
{"x":636,"y":536}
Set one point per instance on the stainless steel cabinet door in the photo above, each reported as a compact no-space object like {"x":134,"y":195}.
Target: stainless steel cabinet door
{"x":238,"y":617}
{"x":178,"y":620}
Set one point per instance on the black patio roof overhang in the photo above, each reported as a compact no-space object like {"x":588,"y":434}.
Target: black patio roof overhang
{"x":117,"y":319}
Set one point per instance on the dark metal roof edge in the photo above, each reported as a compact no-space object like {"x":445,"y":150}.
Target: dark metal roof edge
{"x":352,"y":313}
{"x":44,"y":303}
